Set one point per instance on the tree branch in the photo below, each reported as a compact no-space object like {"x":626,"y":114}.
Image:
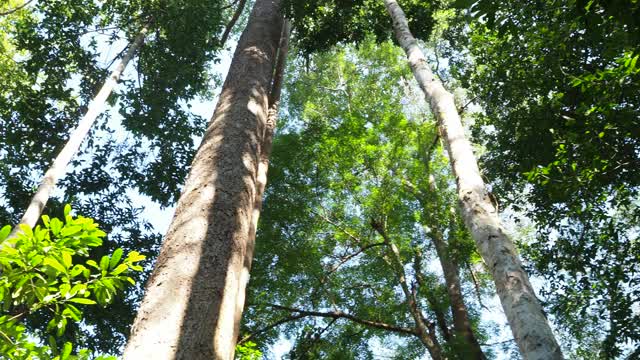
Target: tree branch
{"x":338,"y":226}
{"x":342,"y":315}
{"x":271,"y":326}
{"x":351,"y":256}
{"x":232,"y":22}
{"x":11,"y":11}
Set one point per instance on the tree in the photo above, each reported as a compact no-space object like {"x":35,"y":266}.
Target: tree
{"x":57,"y":56}
{"x":77,"y":136}
{"x":194,"y":297}
{"x":524,"y":312}
{"x":561,"y":133}
{"x":323,"y":275}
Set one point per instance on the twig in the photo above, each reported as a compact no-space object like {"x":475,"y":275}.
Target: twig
{"x":11,"y":11}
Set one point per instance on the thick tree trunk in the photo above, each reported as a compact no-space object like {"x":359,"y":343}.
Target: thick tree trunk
{"x":60,"y":163}
{"x":524,"y":312}
{"x":195,"y":295}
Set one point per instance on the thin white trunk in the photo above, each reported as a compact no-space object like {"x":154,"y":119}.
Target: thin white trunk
{"x":76,"y":138}
{"x":524,"y":312}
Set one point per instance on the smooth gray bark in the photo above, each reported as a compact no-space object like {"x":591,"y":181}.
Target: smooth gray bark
{"x":195,"y":296}
{"x":521,"y":306}
{"x":60,"y":163}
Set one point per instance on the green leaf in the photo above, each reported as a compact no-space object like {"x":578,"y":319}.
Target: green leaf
{"x":67,"y":210}
{"x":115,"y":258}
{"x":135,"y":256}
{"x":56,"y":226}
{"x":82,"y":301}
{"x":91,"y":241}
{"x":119,"y":269}
{"x":53,"y":345}
{"x":68,"y":231}
{"x":104,"y":263}
{"x":66,"y":259}
{"x":54,"y":264}
{"x":62,"y":326}
{"x":26,"y":229}
{"x":5,"y":232}
{"x":66,"y":351}
{"x":64,"y":290}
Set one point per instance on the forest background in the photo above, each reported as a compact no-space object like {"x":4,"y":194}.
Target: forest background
{"x":547,"y":89}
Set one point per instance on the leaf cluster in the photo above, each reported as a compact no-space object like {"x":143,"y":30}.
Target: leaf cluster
{"x":43,"y":275}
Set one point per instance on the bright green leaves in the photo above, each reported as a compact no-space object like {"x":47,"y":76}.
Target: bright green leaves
{"x":355,"y":137}
{"x":42,"y":270}
{"x":248,"y":351}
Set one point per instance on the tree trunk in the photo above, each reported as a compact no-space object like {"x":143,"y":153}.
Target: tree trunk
{"x":426,"y":332}
{"x":441,"y":320}
{"x":524,"y":312}
{"x":195,"y":295}
{"x":461,"y":323}
{"x":267,"y":140}
{"x":232,"y":22}
{"x":60,"y":163}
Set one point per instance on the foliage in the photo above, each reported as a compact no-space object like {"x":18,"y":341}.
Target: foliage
{"x":248,"y":351}
{"x":54,"y":56}
{"x":349,"y":145}
{"x":320,"y":24}
{"x":558,"y":84}
{"x":43,"y":275}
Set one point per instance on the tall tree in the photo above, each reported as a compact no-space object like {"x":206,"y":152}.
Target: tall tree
{"x":323,"y":275}
{"x":523,"y":309}
{"x":57,"y":57}
{"x":562,"y":138}
{"x":195,"y":295}
{"x":77,"y":136}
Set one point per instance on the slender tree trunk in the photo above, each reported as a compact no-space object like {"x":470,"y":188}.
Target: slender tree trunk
{"x":195,"y":295}
{"x":459,"y":313}
{"x":431,"y":297}
{"x":470,"y":348}
{"x":60,"y":163}
{"x":232,"y":22}
{"x":426,"y":332}
{"x":524,"y":312}
{"x":267,"y":140}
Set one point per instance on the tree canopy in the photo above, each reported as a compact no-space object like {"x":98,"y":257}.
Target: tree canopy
{"x":361,"y":250}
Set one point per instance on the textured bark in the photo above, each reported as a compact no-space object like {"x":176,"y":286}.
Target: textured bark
{"x":524,"y":312}
{"x":60,"y":163}
{"x":195,"y":295}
